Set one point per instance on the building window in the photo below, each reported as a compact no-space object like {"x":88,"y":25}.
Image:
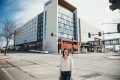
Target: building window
{"x":45,"y":20}
{"x":65,"y":23}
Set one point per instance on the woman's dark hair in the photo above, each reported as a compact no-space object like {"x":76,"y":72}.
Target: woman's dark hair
{"x":64,"y":51}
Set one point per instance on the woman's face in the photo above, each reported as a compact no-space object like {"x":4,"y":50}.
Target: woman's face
{"x":66,"y":54}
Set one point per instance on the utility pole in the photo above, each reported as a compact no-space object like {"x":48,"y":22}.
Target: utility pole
{"x":103,"y":44}
{"x":72,"y":47}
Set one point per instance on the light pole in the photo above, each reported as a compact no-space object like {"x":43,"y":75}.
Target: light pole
{"x":72,"y":46}
{"x":103,"y":43}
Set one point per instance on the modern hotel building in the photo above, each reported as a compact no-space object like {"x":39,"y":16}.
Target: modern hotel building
{"x":58,"y":18}
{"x":30,"y":35}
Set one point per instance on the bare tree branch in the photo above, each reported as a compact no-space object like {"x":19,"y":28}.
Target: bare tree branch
{"x":8,"y":32}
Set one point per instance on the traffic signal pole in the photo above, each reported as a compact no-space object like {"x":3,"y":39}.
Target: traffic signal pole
{"x":118,"y":28}
{"x":52,"y":35}
{"x":100,"y":33}
{"x":108,"y":33}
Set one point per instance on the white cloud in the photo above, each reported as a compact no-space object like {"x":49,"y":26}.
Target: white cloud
{"x":29,"y":9}
{"x":95,"y":12}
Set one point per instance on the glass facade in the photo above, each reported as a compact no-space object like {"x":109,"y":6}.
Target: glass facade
{"x":45,"y":20}
{"x":112,"y":42}
{"x":40,"y":27}
{"x":27,"y":32}
{"x":66,"y":23}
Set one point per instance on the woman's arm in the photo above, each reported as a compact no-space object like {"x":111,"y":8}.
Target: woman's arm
{"x":60,"y":65}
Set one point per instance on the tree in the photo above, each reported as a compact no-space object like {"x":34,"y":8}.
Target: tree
{"x":0,"y":44}
{"x":115,"y":4}
{"x":8,"y":32}
{"x":118,"y":28}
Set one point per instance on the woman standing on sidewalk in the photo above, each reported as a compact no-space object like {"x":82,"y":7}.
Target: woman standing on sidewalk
{"x":66,"y":66}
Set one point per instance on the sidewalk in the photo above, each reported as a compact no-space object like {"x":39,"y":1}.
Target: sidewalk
{"x":114,"y":57}
{"x":2,"y":57}
{"x":46,"y":66}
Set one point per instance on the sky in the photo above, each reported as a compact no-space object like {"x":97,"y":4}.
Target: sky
{"x":95,"y":12}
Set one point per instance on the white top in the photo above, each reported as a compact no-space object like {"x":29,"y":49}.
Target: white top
{"x":66,"y":65}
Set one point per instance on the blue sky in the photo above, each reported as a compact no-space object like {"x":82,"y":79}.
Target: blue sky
{"x":94,"y":12}
{"x":7,"y":9}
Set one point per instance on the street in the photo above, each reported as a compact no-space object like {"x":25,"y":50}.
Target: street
{"x":35,"y":66}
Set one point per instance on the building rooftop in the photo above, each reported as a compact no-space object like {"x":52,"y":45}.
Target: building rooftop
{"x":66,"y":5}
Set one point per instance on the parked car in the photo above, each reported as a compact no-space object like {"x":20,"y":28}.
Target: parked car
{"x":38,"y":51}
{"x":32,"y":50}
{"x":44,"y":52}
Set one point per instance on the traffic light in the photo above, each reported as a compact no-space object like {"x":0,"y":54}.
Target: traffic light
{"x":99,"y":33}
{"x":52,"y":34}
{"x":118,"y":28}
{"x":89,"y":35}
{"x":115,"y":4}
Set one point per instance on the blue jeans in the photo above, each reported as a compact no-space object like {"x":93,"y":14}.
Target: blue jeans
{"x":65,"y":75}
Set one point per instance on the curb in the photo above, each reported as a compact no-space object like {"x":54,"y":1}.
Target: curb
{"x":4,"y":75}
{"x":113,"y":57}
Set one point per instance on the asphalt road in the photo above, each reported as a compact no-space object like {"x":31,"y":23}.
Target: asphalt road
{"x":30,"y":66}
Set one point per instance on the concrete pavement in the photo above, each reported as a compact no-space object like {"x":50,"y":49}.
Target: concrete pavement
{"x":28,"y":66}
{"x":4,"y":57}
